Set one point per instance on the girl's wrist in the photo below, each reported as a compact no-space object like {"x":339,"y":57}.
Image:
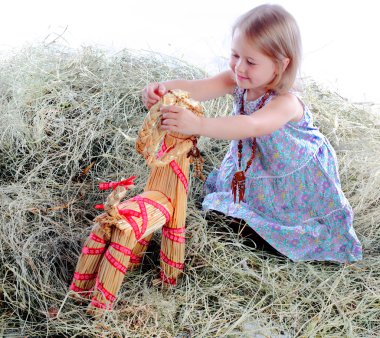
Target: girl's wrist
{"x":202,"y":123}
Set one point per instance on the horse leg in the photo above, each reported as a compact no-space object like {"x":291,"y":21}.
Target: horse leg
{"x":138,"y":251}
{"x":88,"y":263}
{"x":114,"y":265}
{"x":172,"y":254}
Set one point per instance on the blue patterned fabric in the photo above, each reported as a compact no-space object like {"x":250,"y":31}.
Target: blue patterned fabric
{"x":293,"y":196}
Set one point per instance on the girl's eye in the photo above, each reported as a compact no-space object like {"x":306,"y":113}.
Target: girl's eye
{"x":234,"y":56}
{"x":251,"y":62}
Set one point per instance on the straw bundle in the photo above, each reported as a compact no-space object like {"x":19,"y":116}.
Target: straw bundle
{"x":107,"y":253}
{"x":166,"y":179}
{"x":88,"y":263}
{"x":148,"y":212}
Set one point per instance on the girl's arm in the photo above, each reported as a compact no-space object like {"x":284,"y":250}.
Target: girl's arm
{"x":199,"y":90}
{"x":205,"y":89}
{"x":271,"y":117}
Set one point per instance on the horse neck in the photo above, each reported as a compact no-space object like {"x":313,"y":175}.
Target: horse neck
{"x":172,"y":178}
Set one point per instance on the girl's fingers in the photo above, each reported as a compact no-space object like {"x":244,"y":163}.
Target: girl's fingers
{"x":169,"y":122}
{"x":159,"y":90}
{"x":169,"y":127}
{"x":171,"y":109}
{"x":154,"y":96}
{"x":152,"y":101}
{"x":169,"y":116}
{"x":153,"y":93}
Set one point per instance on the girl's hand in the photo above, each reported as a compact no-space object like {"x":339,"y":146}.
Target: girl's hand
{"x":152,"y":93}
{"x":181,"y":120}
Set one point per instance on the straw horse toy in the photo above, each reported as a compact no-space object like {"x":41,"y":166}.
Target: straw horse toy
{"x":122,"y":233}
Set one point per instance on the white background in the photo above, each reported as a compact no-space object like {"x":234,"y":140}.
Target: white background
{"x":340,"y":37}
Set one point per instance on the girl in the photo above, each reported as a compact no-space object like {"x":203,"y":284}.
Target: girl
{"x":280,"y":174}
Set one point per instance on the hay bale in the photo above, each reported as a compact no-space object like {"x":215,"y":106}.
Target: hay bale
{"x":69,"y":120}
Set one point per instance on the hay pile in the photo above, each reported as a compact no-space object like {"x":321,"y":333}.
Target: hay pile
{"x":68,"y":121}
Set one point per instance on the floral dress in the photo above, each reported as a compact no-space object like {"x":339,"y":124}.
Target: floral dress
{"x":293,"y":197}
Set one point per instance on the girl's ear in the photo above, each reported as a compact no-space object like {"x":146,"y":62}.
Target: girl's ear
{"x":285,"y":63}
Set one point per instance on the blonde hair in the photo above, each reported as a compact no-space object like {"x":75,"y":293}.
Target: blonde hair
{"x":275,"y":32}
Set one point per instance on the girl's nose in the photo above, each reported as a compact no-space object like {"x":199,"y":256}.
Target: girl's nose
{"x":239,"y":66}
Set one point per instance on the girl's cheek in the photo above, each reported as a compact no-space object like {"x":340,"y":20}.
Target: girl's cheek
{"x":232,"y":65}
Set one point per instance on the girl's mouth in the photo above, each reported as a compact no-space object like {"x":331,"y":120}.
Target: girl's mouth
{"x":241,"y":78}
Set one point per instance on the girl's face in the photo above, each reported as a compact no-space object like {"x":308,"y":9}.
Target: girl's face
{"x":252,"y":69}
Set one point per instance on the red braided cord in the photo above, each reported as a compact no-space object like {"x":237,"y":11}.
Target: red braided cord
{"x":126,"y":251}
{"x":144,"y":216}
{"x":84,"y":276}
{"x":155,"y":204}
{"x":113,"y":185}
{"x":84,"y":293}
{"x":115,"y":263}
{"x":100,"y":305}
{"x":176,"y":168}
{"x":141,"y":201}
{"x":176,"y":230}
{"x":135,"y":226}
{"x":129,"y":212}
{"x":77,"y":288}
{"x":168,"y":261}
{"x":181,"y":176}
{"x":167,"y":280}
{"x":168,"y":234}
{"x":93,"y":251}
{"x":108,"y":295}
{"x":143,"y":242}
{"x":96,"y":238}
{"x":135,"y":260}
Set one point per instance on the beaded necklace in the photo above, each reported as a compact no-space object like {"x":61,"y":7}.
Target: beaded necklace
{"x":238,"y":181}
